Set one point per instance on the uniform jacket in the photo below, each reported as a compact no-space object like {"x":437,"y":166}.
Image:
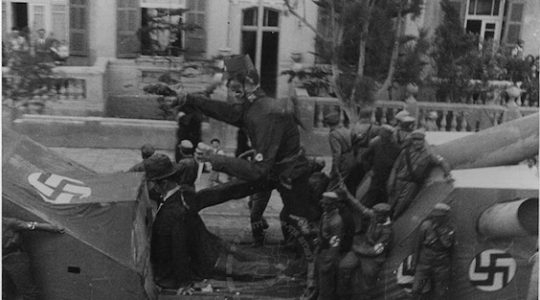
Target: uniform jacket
{"x":434,"y":243}
{"x":273,"y":133}
{"x":340,"y":140}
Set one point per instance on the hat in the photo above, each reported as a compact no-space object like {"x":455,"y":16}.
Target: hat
{"x":408,"y":119}
{"x":382,"y":208}
{"x":332,"y":196}
{"x":513,"y":91}
{"x":400,"y":115}
{"x":186,"y":144}
{"x":412,"y":88}
{"x":433,"y":115}
{"x":147,"y":150}
{"x":159,"y":166}
{"x":202,"y":147}
{"x":240,"y":65}
{"x":418,"y":134}
{"x":440,"y":209}
{"x":388,"y":128}
{"x":332,"y":118}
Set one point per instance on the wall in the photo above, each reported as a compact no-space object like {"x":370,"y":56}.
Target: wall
{"x":530,"y":30}
{"x":102,"y":28}
{"x":224,"y":31}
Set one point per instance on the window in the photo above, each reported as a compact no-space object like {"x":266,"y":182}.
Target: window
{"x":78,"y":37}
{"x":484,"y":7}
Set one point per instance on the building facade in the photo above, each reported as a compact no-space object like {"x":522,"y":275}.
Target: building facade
{"x":104,"y":28}
{"x":504,"y":21}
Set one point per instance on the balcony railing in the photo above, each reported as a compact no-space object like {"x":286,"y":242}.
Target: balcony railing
{"x":451,"y":116}
{"x":72,"y":84}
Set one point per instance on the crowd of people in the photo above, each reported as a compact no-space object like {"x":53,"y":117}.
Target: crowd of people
{"x":45,"y":48}
{"x":340,"y":223}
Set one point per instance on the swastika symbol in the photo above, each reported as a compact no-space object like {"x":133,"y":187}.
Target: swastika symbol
{"x":58,"y":189}
{"x":492,"y":270}
{"x":405,"y":273}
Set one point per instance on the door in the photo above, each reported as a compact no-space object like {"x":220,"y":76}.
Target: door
{"x":20,"y":15}
{"x":260,"y":40}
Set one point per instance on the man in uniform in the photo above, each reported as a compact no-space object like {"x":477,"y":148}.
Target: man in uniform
{"x":372,"y":243}
{"x":279,"y":161}
{"x":411,"y":168}
{"x":380,"y":157}
{"x":336,"y":237}
{"x":404,"y":126}
{"x":343,"y":160}
{"x":362,"y":133}
{"x":432,"y":257}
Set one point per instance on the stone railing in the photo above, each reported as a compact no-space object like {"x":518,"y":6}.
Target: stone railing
{"x":450,"y":116}
{"x":72,"y":86}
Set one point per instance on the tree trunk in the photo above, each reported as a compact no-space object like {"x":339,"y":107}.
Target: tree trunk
{"x":382,"y":93}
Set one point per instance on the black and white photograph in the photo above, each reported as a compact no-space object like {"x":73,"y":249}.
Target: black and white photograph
{"x":270,"y":149}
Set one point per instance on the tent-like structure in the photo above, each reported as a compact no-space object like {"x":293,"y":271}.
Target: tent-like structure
{"x":490,"y":260}
{"x":104,"y":253}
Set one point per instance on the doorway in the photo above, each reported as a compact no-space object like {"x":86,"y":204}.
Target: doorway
{"x":260,"y":40}
{"x":20,"y":15}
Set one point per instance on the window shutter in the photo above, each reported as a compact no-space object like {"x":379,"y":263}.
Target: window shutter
{"x":78,"y":24}
{"x":128,"y":22}
{"x":39,"y":16}
{"x":195,"y":42}
{"x":59,"y":22}
{"x":513,"y":22}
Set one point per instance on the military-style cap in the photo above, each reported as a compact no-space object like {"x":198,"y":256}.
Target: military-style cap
{"x":388,"y":128}
{"x":402,"y":114}
{"x":418,"y":134}
{"x":433,"y":115}
{"x":408,"y":119}
{"x":240,"y":65}
{"x":147,"y":150}
{"x":441,"y":209}
{"x":330,"y":195}
{"x":513,"y":91}
{"x":412,"y":88}
{"x":332,"y":118}
{"x":186,"y":144}
{"x":382,"y":208}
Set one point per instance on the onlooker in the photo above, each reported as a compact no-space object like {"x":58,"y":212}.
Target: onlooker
{"x":17,"y":279}
{"x":42,"y":46}
{"x":216,"y":177}
{"x":343,"y":159}
{"x":188,"y":165}
{"x":59,"y":52}
{"x":517,"y":52}
{"x":431,"y":121}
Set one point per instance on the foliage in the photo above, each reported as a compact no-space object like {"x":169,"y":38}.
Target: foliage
{"x":27,"y":79}
{"x":314,"y":79}
{"x":464,"y":65}
{"x":452,"y":54}
{"x":164,"y":20}
{"x":413,"y":59}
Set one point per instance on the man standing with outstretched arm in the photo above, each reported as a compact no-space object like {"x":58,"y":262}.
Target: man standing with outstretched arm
{"x":279,"y":160}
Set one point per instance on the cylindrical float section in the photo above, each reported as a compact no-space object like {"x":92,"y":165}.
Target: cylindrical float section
{"x":532,"y":293}
{"x":510,"y":219}
{"x":505,"y":144}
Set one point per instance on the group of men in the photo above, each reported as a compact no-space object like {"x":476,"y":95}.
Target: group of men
{"x":344,"y":236}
